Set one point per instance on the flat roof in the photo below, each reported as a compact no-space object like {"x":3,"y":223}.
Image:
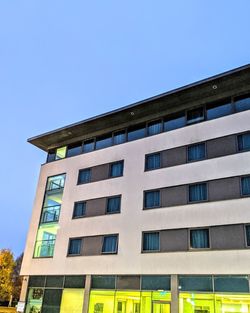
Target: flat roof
{"x":213,"y":87}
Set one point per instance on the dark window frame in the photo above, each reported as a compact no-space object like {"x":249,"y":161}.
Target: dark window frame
{"x":117,"y":243}
{"x":145,"y":162}
{"x":81,"y":246}
{"x":190,"y":248}
{"x":245,"y":236}
{"x":142,"y":241}
{"x":79,"y":216}
{"x":110,"y":169}
{"x":199,"y":183}
{"x":241,"y":186}
{"x":107,"y":202}
{"x":237,"y":141}
{"x":90,"y":179}
{"x":144,"y":199}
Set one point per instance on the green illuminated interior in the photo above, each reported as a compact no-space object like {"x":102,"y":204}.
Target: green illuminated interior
{"x":214,"y":303}
{"x":34,"y":302}
{"x":45,"y":240}
{"x":129,"y":302}
{"x":61,"y":153}
{"x":72,"y":301}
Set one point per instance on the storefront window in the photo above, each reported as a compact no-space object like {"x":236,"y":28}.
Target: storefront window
{"x":196,"y":303}
{"x":35,"y":299}
{"x":72,"y":301}
{"x":101,"y":301}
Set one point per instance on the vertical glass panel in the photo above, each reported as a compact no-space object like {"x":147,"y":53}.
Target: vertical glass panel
{"x":34,"y":301}
{"x":103,"y":141}
{"x":84,"y":176}
{"x":152,"y":199}
{"x":75,"y":246}
{"x":196,"y":303}
{"x":103,"y":282}
{"x":127,"y":302}
{"x":79,"y":209}
{"x":114,"y":204}
{"x":154,"y":127}
{"x":161,"y":307}
{"x":55,"y":182}
{"x":245,"y":186}
{"x":52,"y":300}
{"x":242,"y":104}
{"x":196,"y":152}
{"x":61,"y":153}
{"x":109,"y":244}
{"x":232,"y":303}
{"x":119,"y":137}
{"x":136,"y":132}
{"x":45,"y":241}
{"x":54,"y":281}
{"x":175,"y":121}
{"x":244,"y":142}
{"x":231,"y":283}
{"x":153,"y":161}
{"x":198,"y":192}
{"x":248,"y":235}
{"x":88,"y":145}
{"x":195,"y":115}
{"x":51,"y":156}
{"x":72,"y":301}
{"x":151,"y":241}
{"x":116,"y":169}
{"x":36,"y":281}
{"x":74,"y":149}
{"x":218,"y":110}
{"x":101,"y":301}
{"x":199,"y":238}
{"x":195,"y":283}
{"x":146,"y":302}
{"x":153,"y":282}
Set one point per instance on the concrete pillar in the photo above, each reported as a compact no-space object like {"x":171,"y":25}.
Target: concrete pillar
{"x":174,"y":294}
{"x":24,"y":288}
{"x":86,"y":294}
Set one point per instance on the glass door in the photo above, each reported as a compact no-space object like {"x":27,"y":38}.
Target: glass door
{"x":161,"y":307}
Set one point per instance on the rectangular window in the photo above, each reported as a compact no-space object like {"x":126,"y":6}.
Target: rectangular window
{"x":195,"y":115}
{"x":51,"y":156}
{"x":152,"y":161}
{"x":103,"y":282}
{"x":231,"y":283}
{"x":75,"y":246}
{"x":198,"y":192}
{"x":116,"y":169}
{"x":61,"y":153}
{"x":136,"y":132}
{"x":196,"y":152}
{"x":175,"y":121}
{"x":151,"y":241}
{"x":79,"y":209}
{"x":103,"y":141}
{"x":154,"y":127}
{"x":218,"y":110}
{"x":74,"y":149}
{"x":247,"y":228}
{"x":155,"y":282}
{"x":242,"y":104}
{"x":244,"y":142}
{"x":55,"y":182}
{"x":114,"y":204}
{"x":119,"y":137}
{"x":196,"y":283}
{"x":109,"y":244}
{"x":84,"y":176}
{"x":245,"y":186}
{"x":151,"y":199}
{"x":199,"y":238}
{"x":88,"y":145}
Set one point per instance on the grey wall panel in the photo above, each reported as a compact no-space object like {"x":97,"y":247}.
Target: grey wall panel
{"x":221,"y":146}
{"x":174,"y":240}
{"x":95,"y":207}
{"x":227,"y":237}
{"x":128,"y":282}
{"x":173,"y":157}
{"x":172,"y":196}
{"x":92,"y":245}
{"x":100,"y":172}
{"x":224,"y":189}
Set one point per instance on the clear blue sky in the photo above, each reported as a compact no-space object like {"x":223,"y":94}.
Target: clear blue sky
{"x":63,"y":61}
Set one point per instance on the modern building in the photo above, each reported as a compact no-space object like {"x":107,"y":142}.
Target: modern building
{"x":146,"y":209}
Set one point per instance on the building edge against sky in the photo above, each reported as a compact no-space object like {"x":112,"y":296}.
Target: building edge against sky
{"x":146,"y":208}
